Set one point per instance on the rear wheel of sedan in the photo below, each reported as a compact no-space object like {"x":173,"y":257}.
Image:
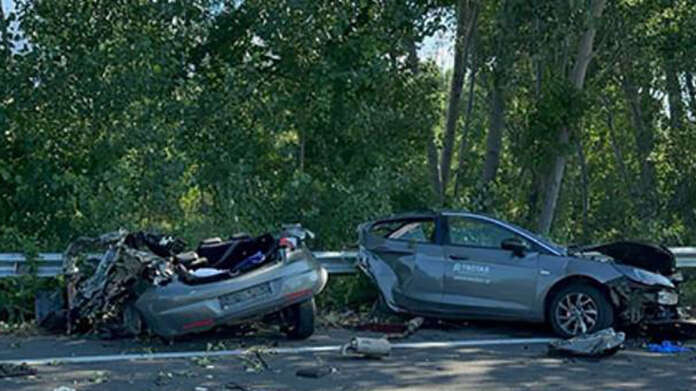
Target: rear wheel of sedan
{"x":580,"y":309}
{"x":300,"y":318}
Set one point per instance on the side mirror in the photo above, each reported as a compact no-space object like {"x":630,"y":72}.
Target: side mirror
{"x":515,"y":245}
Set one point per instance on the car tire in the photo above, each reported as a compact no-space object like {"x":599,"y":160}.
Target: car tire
{"x":576,"y":305}
{"x":301,"y":322}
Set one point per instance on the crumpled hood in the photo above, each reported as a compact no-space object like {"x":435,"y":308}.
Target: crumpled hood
{"x":652,"y":257}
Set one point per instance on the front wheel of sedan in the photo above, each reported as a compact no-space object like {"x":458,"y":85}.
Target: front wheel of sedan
{"x":580,"y":309}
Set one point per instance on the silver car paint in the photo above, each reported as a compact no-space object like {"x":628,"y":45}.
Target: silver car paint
{"x":421,"y":278}
{"x":178,"y":308}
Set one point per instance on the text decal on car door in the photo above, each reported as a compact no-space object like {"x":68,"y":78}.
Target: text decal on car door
{"x":472,"y":272}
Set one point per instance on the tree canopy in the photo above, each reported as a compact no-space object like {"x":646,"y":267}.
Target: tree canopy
{"x":208,"y":117}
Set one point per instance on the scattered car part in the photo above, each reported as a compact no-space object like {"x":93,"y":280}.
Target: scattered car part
{"x":49,"y":309}
{"x":366,"y":347}
{"x":147,"y":281}
{"x":453,"y":264}
{"x":14,"y":370}
{"x":600,"y":344}
{"x":410,"y":327}
{"x":316,"y":372}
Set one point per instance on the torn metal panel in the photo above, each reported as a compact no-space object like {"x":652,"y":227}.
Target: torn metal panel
{"x":602,"y":343}
{"x":642,"y":304}
{"x":99,"y":298}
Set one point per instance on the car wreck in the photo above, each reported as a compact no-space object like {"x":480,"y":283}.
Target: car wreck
{"x":454,"y":264}
{"x":148,"y":282}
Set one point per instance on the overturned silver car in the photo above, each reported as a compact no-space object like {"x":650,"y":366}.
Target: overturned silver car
{"x":464,"y":265}
{"x":145,"y":281}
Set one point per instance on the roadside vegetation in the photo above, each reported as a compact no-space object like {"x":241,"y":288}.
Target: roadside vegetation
{"x":205,"y":118}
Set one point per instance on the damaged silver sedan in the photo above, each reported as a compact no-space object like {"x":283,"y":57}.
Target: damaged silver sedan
{"x":145,"y":281}
{"x":462,"y":265}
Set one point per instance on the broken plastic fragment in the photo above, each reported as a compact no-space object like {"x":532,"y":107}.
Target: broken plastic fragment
{"x":667,"y":347}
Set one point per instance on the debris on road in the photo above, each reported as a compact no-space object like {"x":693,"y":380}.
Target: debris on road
{"x":63,"y":388}
{"x":667,"y":347}
{"x":600,"y":344}
{"x":316,"y":372}
{"x":411,"y":327}
{"x":232,"y":386}
{"x":345,"y":319}
{"x":13,"y":370}
{"x":366,"y":347}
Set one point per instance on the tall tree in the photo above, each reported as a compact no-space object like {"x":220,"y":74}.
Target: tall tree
{"x":583,"y":57}
{"x":466,"y":16}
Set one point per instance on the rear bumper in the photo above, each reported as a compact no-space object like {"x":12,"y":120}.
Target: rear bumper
{"x":179,"y":309}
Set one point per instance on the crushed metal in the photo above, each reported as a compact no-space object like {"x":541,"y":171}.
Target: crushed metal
{"x":600,"y":344}
{"x":100,"y":300}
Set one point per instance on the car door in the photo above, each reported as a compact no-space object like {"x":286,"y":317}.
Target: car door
{"x":415,"y":263}
{"x":481,"y":278}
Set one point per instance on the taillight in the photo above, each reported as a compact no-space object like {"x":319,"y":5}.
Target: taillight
{"x":290,"y":243}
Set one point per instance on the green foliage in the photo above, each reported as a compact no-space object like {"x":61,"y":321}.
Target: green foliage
{"x":205,"y":118}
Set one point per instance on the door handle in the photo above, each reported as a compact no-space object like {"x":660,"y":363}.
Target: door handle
{"x":458,"y":258}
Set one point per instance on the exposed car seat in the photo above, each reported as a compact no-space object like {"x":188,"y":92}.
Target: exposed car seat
{"x":231,"y":258}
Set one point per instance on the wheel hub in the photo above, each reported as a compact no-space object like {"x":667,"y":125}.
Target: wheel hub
{"x":576,"y":313}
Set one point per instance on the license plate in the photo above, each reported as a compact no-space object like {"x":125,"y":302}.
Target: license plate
{"x":248,"y":294}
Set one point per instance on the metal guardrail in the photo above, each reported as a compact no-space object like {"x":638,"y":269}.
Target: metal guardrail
{"x":50,"y":264}
{"x":335,"y":262}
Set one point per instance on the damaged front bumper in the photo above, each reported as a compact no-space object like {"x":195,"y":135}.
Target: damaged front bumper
{"x":642,"y":304}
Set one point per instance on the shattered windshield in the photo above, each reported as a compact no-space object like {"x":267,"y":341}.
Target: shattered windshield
{"x":541,"y":239}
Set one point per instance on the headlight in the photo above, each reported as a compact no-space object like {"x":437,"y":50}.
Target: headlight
{"x":666,"y":297}
{"x":645,"y":277}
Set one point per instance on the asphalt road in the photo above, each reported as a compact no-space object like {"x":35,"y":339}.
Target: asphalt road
{"x":491,"y":368}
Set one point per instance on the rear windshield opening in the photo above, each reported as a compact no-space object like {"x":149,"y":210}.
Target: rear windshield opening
{"x":415,"y":230}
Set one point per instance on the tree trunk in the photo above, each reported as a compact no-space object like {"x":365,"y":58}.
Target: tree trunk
{"x":577,"y":77}
{"x":645,"y":141}
{"x":692,"y":94}
{"x":618,"y":155}
{"x":585,"y":181}
{"x":435,"y":180}
{"x":302,"y":150}
{"x":467,"y":120}
{"x":467,"y":12}
{"x":676,"y":105}
{"x":495,"y":132}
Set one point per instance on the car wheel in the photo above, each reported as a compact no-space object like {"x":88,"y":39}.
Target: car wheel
{"x":301,"y":319}
{"x":580,"y":309}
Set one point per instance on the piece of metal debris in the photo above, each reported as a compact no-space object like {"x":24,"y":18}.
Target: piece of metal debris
{"x":63,"y":388}
{"x":411,"y":327}
{"x":366,"y":347}
{"x":602,"y":343}
{"x":316,"y":372}
{"x":232,"y":386}
{"x":13,"y":370}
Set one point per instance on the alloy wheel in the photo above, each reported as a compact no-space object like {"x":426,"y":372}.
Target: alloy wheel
{"x":577,"y":313}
